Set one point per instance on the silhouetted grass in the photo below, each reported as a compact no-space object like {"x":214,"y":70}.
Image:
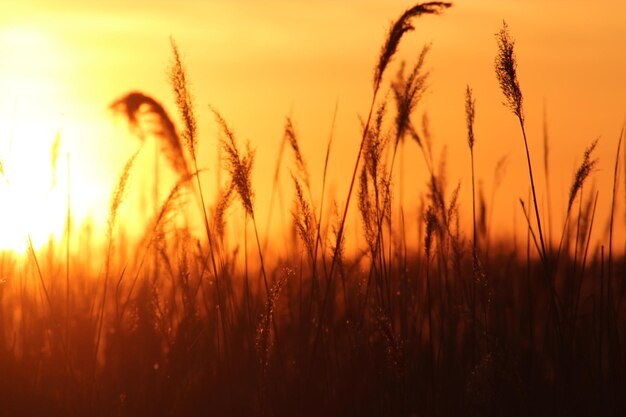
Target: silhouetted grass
{"x":450,"y":327}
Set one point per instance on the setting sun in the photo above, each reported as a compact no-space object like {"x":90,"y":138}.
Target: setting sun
{"x":260,"y":207}
{"x":30,"y":191}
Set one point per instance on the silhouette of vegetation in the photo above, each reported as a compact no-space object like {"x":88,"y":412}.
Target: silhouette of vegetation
{"x":179,"y":325}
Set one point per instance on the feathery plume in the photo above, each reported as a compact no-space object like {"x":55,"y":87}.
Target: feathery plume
{"x":135,"y":106}
{"x":431,"y":225}
{"x":184,"y":99}
{"x":292,"y":138}
{"x":224,"y":199}
{"x":506,"y":72}
{"x":118,"y":194}
{"x":408,"y":91}
{"x":470,"y":113}
{"x":582,"y":173}
{"x":397,"y":31}
{"x":365,"y":208}
{"x":239,"y":165}
{"x":304,"y":218}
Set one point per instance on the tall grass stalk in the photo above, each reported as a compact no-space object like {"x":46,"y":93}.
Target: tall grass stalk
{"x":31,"y":249}
{"x":398,"y":29}
{"x":582,"y":173}
{"x":613,"y":197}
{"x":68,"y":310}
{"x":149,"y":242}
{"x":240,"y":169}
{"x":613,"y":338}
{"x":470,"y":114}
{"x":323,"y":191}
{"x":275,"y":189}
{"x":184,"y":103}
{"x":116,"y":200}
{"x":431,"y":225}
{"x":506,"y":72}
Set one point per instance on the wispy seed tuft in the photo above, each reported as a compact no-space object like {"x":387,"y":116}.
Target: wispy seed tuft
{"x":184,"y":100}
{"x":582,"y":173}
{"x":239,"y":164}
{"x":145,"y":115}
{"x":506,"y":72}
{"x":470,"y":113}
{"x":397,"y":31}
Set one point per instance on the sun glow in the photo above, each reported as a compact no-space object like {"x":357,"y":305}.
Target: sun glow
{"x":51,"y":162}
{"x":32,"y":187}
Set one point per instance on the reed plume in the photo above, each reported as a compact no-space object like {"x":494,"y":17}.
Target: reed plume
{"x":506,"y":73}
{"x":239,"y":165}
{"x":135,"y":106}
{"x":304,"y":213}
{"x":408,"y":92}
{"x":582,"y":173}
{"x":292,"y":139}
{"x":118,"y":194}
{"x":184,"y":103}
{"x":304,"y":219}
{"x":366,"y":210}
{"x":470,"y":113}
{"x":224,"y":200}
{"x":184,"y":100}
{"x":397,"y":30}
{"x":395,"y":34}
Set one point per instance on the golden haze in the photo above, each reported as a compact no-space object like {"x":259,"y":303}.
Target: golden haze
{"x":63,"y":62}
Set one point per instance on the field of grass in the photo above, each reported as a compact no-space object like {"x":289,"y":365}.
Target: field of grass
{"x":178,"y":325}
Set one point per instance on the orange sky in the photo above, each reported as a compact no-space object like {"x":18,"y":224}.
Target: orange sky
{"x":259,"y":60}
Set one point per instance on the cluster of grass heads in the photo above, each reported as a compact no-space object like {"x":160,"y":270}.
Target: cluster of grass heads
{"x":177,"y":325}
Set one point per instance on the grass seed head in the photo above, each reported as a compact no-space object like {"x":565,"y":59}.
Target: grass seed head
{"x":582,"y":173}
{"x":292,"y":138}
{"x":118,"y":194}
{"x":470,"y":112}
{"x":431,"y":226}
{"x":303,"y":218}
{"x":506,"y":72}
{"x":184,"y":100}
{"x":239,"y":164}
{"x":408,"y":92}
{"x":397,"y":31}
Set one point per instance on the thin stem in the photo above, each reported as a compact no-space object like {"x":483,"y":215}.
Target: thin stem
{"x":258,"y":244}
{"x":211,"y":251}
{"x":474,"y":260}
{"x":337,"y":248}
{"x":532,"y":186}
{"x":67,"y":259}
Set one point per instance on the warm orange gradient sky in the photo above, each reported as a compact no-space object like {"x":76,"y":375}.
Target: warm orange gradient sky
{"x":63,"y":61}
